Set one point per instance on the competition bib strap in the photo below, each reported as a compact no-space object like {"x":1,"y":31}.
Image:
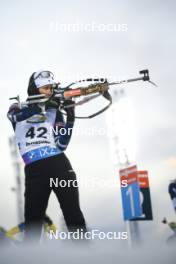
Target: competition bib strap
{"x":40,"y":153}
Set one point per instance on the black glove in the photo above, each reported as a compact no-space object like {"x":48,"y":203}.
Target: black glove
{"x":69,"y":111}
{"x":52,"y":103}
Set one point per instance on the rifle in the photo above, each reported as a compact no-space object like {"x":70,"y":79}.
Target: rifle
{"x":100,"y":87}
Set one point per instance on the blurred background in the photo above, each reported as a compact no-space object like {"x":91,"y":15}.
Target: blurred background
{"x":41,"y":35}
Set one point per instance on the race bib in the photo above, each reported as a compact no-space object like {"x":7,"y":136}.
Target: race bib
{"x":36,"y":140}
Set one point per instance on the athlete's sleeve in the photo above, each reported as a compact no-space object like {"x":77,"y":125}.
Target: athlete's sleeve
{"x":172,"y":190}
{"x":15,"y":114}
{"x":13,"y":111}
{"x":63,"y":131}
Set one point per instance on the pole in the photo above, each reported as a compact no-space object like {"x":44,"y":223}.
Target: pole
{"x":18,"y":176}
{"x":121,"y":158}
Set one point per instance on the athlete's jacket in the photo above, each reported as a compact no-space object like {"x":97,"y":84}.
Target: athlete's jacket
{"x":37,"y":141}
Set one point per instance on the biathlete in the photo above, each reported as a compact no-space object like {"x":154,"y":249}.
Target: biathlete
{"x":44,"y":157}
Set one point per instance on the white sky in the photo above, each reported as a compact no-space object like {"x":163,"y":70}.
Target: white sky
{"x":29,"y":42}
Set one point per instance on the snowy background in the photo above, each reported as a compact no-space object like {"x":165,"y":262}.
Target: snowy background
{"x":31,"y":39}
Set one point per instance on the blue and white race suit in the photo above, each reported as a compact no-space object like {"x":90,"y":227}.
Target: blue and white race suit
{"x":37,"y":141}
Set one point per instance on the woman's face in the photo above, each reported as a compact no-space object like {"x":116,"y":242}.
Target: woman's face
{"x":47,"y":90}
